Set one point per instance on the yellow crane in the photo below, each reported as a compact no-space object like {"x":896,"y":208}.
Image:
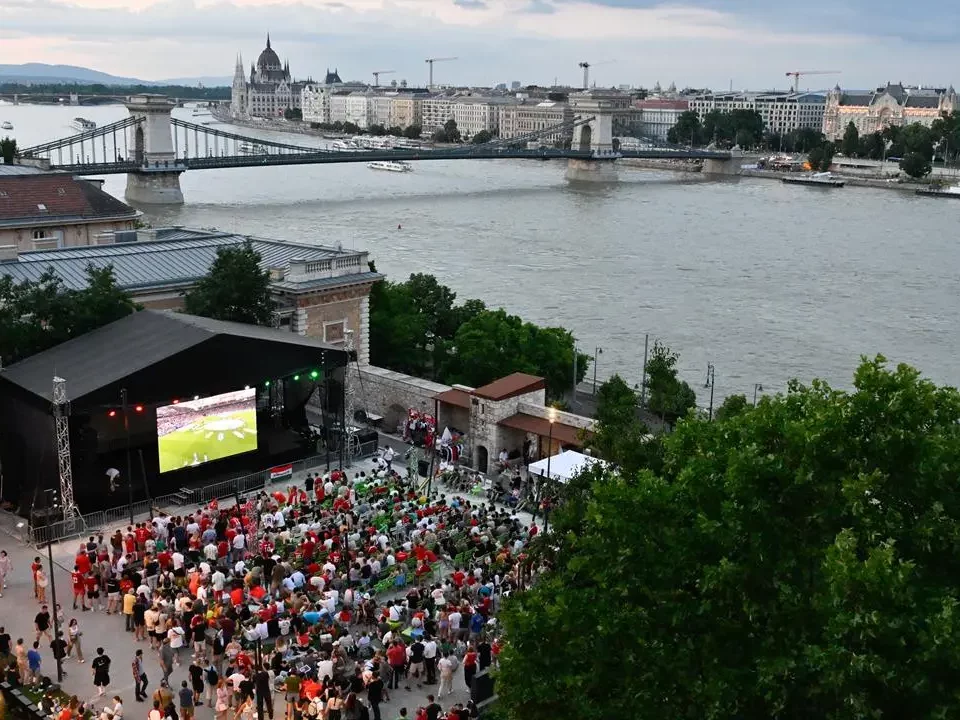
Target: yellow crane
{"x":378,"y":73}
{"x":431,"y":61}
{"x":797,"y":74}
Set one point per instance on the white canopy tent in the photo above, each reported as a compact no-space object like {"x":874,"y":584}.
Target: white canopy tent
{"x":564,"y":466}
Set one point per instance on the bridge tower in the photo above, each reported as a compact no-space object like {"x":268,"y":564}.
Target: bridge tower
{"x":595,"y":135}
{"x":150,"y":145}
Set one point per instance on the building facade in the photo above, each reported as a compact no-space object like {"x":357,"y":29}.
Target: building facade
{"x":48,"y":211}
{"x":269,"y":90}
{"x":658,"y":116}
{"x":315,"y":103}
{"x":782,"y":112}
{"x":404,"y":111}
{"x":890,"y":106}
{"x":522,"y":118}
{"x":318,"y":291}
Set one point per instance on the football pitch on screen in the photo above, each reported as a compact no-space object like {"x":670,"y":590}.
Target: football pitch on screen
{"x":213,"y":438}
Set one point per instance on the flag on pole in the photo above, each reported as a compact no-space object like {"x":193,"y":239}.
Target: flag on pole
{"x":281,"y":471}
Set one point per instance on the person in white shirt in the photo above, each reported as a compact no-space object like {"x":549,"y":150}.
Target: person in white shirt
{"x":177,"y":559}
{"x":210,"y":552}
{"x":239,"y":545}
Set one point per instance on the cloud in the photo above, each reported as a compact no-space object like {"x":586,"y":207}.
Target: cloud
{"x":693,"y":42}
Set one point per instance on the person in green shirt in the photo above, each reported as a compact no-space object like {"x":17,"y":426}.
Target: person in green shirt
{"x":292,"y":689}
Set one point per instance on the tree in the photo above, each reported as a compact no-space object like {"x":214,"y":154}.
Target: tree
{"x":745,"y":138}
{"x":618,"y":435}
{"x":796,"y":561}
{"x":484,"y":136}
{"x":688,"y":129}
{"x":413,"y":132}
{"x":293,"y":114}
{"x":8,"y":150}
{"x":805,"y":139}
{"x":235,"y":288}
{"x":871,"y":146}
{"x":914,"y":138}
{"x":821,"y":157}
{"x":35,"y":316}
{"x":915,"y":165}
{"x":451,"y":130}
{"x":377,"y":129}
{"x":667,"y":395}
{"x":732,"y":406}
{"x":851,"y":140}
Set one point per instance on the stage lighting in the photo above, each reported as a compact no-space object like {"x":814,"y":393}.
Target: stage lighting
{"x":175,"y":402}
{"x":267,"y":384}
{"x":138,"y":408}
{"x":296,"y":377}
{"x":314,"y":374}
{"x":196,"y":397}
{"x":112,"y":413}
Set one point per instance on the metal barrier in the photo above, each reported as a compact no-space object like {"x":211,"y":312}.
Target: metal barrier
{"x":100,"y":520}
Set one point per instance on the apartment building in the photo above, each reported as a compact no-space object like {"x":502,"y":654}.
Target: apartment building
{"x":521,"y":118}
{"x":657,"y":116}
{"x":315,"y":103}
{"x":782,"y":112}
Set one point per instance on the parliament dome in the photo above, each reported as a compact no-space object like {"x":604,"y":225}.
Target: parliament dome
{"x":268,"y":60}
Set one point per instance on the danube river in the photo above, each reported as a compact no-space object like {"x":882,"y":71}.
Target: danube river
{"x":768,"y":282}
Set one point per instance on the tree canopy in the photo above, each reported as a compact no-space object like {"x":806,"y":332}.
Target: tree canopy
{"x":234,"y":289}
{"x":619,"y":436}
{"x":851,"y":140}
{"x":667,"y":395}
{"x":8,"y":150}
{"x":796,"y":560}
{"x":915,"y":165}
{"x":35,"y":316}
{"x":417,"y":327}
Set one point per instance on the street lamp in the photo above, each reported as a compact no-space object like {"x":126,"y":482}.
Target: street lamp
{"x":551,"y":417}
{"x":52,"y":496}
{"x":126,"y":430}
{"x":597,"y":351}
{"x":757,"y":387}
{"x":710,"y":382}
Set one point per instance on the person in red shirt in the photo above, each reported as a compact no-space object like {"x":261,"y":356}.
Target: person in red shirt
{"x":223,"y":548}
{"x":130,"y":545}
{"x":79,"y":588}
{"x":82,"y":563}
{"x":236,"y":597}
{"x":458,"y":577}
{"x":165,"y":558}
{"x":141,"y":534}
{"x":92,"y":583}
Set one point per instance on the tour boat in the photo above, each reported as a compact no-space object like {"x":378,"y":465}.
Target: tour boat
{"x":823,"y":179}
{"x":391,"y":166}
{"x":6,"y":125}
{"x":82,"y":124}
{"x":247,"y":148}
{"x":949,"y":191}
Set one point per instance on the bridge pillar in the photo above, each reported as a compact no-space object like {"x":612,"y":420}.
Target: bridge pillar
{"x":728,"y":167}
{"x":150,"y":146}
{"x":594,"y":136}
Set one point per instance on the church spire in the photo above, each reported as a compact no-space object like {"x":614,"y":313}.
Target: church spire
{"x":268,"y":41}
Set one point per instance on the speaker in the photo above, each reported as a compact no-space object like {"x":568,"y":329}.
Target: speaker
{"x":423,"y":468}
{"x":368,"y":436}
{"x":482,"y":687}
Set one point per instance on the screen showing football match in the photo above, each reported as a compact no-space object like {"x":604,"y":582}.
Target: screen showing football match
{"x":192,"y":432}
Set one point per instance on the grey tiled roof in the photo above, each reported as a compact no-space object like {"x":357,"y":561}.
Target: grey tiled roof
{"x":177,"y":257}
{"x":923,"y":101}
{"x":20,"y":170}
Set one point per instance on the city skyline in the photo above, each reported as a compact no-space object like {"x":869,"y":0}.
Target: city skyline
{"x":703,"y":43}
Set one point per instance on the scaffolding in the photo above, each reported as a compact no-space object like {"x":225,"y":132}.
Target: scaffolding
{"x":61,"y":414}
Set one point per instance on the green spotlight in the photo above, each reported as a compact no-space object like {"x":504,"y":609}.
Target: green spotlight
{"x":296,"y":377}
{"x":314,"y":375}
{"x":267,"y":384}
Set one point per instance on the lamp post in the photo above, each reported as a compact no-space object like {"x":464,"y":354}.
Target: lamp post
{"x":52,"y":495}
{"x":757,"y":387}
{"x":551,"y":416}
{"x":126,"y":430}
{"x":710,"y":383}
{"x":597,"y":352}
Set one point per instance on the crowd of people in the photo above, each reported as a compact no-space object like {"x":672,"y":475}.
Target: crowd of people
{"x":334,"y":594}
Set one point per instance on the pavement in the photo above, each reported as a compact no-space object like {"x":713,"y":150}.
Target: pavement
{"x":18,"y":608}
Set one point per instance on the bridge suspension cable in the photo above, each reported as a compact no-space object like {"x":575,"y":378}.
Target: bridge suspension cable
{"x":82,"y":148}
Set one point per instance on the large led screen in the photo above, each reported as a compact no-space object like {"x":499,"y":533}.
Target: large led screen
{"x":193,"y":432}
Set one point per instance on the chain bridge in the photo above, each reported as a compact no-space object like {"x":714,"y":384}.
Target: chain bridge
{"x":153,"y":149}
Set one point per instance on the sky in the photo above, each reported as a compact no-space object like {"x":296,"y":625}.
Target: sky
{"x":694,"y":43}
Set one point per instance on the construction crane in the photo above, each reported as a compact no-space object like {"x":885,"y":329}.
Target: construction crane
{"x":378,"y":73}
{"x":431,"y":61}
{"x":586,"y":71}
{"x":797,"y":74}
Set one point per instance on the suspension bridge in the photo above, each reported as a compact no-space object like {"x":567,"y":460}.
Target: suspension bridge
{"x":153,"y":148}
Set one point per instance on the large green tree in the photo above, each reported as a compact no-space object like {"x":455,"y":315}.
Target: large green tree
{"x":915,"y":165}
{"x":8,"y":150}
{"x":36,"y":315}
{"x":688,"y":129}
{"x":797,"y":560}
{"x":851,"y":140}
{"x":235,"y":288}
{"x":619,"y":436}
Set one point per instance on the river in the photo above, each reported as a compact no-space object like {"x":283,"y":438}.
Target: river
{"x":768,"y":282}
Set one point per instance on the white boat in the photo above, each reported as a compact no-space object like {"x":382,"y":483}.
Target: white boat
{"x":248,"y":148}
{"x":391,"y":166}
{"x":6,"y":125}
{"x":346,"y":146}
{"x":821,"y":179}
{"x":82,"y":124}
{"x":948,"y":191}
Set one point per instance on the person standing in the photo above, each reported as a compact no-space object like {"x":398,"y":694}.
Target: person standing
{"x":20,"y":652}
{"x":41,"y":580}
{"x":73,"y":640}
{"x":101,"y":671}
{"x":34,"y":567}
{"x":222,"y":706}
{"x":167,"y":657}
{"x":186,"y":701}
{"x":375,"y":694}
{"x":139,"y":676}
{"x":58,"y":646}
{"x":42,"y":623}
{"x":263,"y":692}
{"x":6,"y":567}
{"x":33,"y":663}
{"x":4,"y":642}
{"x":469,"y":666}
{"x":445,"y":665}
{"x":129,"y":600}
{"x":430,"y":659}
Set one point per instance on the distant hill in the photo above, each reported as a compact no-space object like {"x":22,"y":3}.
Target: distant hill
{"x":42,"y":73}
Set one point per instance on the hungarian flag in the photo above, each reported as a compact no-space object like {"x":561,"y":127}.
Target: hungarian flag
{"x":281,"y":471}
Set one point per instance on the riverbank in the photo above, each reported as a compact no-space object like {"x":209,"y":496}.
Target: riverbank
{"x":878,"y":183}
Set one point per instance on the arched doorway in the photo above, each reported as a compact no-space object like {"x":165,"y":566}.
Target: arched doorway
{"x":138,"y":145}
{"x":482,"y":458}
{"x":586,"y":137}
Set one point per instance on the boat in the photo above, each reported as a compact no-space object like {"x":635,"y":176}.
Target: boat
{"x":345,"y":146}
{"x":248,"y":148}
{"x":391,"y":166}
{"x":948,"y":191}
{"x":823,"y":179}
{"x":82,"y":124}
{"x":6,"y":125}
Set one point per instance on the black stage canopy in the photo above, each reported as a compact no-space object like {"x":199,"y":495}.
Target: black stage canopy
{"x":158,"y":358}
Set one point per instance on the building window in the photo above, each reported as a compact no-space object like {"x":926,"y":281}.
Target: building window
{"x":47,"y":239}
{"x":335,"y":332}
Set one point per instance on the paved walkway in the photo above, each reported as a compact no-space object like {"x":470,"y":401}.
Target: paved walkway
{"x":18,"y":608}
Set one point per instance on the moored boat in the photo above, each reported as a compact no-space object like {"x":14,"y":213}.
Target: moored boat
{"x":390,"y":166}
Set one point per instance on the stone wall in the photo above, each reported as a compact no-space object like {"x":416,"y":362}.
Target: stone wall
{"x":390,"y":394}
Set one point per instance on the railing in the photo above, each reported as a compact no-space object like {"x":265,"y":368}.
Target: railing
{"x":100,"y":521}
